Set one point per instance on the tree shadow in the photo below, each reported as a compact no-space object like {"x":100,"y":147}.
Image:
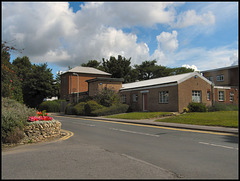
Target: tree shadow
{"x":231,"y":139}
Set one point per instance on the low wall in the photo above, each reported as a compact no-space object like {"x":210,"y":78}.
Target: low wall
{"x":41,"y":130}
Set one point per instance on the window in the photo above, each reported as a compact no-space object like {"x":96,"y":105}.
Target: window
{"x":196,"y":96}
{"x":135,"y":97}
{"x":231,"y":96}
{"x":221,"y":95}
{"x":210,"y":78}
{"x":123,"y":98}
{"x":220,"y":78}
{"x":208,"y":95}
{"x":163,"y":97}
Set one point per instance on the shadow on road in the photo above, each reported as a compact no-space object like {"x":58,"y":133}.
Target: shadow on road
{"x":231,"y":139}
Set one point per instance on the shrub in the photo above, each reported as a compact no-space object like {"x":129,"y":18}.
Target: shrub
{"x":69,"y":109}
{"x":50,"y":106}
{"x":14,"y":118}
{"x":91,"y":106}
{"x":223,"y":107}
{"x":197,"y":107}
{"x":115,"y":109}
{"x":107,"y":97}
{"x":185,"y":109}
{"x":79,"y":109}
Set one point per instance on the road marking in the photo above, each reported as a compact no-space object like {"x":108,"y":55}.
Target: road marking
{"x":229,"y":147}
{"x":84,"y":124}
{"x":134,"y":132}
{"x":69,"y":134}
{"x":153,"y":126}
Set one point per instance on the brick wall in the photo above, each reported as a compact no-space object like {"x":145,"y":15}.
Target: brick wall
{"x":69,"y":83}
{"x":185,"y":92}
{"x":96,"y":86}
{"x":179,"y":96}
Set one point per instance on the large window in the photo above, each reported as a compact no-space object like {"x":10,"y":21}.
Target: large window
{"x":123,"y":98}
{"x":221,"y":95}
{"x":135,"y":97}
{"x":231,"y":96}
{"x":163,"y":97}
{"x":196,"y":96}
{"x":220,"y":78}
{"x":208,"y":95}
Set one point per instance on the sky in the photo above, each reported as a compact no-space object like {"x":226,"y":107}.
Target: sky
{"x":198,"y":35}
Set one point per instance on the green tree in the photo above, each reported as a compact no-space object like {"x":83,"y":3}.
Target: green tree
{"x":91,"y":63}
{"x":150,"y":70}
{"x":57,"y":84}
{"x":10,"y":82}
{"x":181,"y":70}
{"x":38,"y":85}
{"x":119,"y":68}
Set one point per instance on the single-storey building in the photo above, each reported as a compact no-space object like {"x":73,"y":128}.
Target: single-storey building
{"x":100,"y":83}
{"x":172,"y":93}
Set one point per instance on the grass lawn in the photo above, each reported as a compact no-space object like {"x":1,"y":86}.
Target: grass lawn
{"x":140,"y":115}
{"x":218,"y":118}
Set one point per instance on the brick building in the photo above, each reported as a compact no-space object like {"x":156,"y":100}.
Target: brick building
{"x":172,"y":93}
{"x":99,"y":83}
{"x":73,"y":81}
{"x":226,"y":84}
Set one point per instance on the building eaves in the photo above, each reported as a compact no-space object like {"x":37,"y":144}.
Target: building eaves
{"x":86,"y":70}
{"x":161,"y":82}
{"x":105,"y":79}
{"x":222,"y":68}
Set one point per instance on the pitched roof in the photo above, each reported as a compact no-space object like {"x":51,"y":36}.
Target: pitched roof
{"x":105,"y":79}
{"x":87,"y":70}
{"x":222,"y":68}
{"x":162,"y":81}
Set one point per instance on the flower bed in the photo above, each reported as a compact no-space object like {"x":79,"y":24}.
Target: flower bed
{"x":40,"y":128}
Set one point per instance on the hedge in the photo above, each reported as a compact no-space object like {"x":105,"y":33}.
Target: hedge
{"x":91,"y":106}
{"x":115,"y":109}
{"x":197,"y":107}
{"x":14,"y":118}
{"x":79,"y":109}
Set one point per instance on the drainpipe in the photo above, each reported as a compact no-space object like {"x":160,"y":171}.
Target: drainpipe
{"x":213,"y":95}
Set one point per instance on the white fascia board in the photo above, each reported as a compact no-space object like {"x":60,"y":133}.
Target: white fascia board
{"x":148,"y":87}
{"x":222,"y":87}
{"x":192,"y":75}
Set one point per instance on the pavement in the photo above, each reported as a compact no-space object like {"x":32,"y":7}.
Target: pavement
{"x":164,"y":124}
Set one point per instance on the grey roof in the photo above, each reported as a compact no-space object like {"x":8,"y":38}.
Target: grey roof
{"x":106,"y":79}
{"x":87,"y":70}
{"x":162,"y":81}
{"x":222,"y":68}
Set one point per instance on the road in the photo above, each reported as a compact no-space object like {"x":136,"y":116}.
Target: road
{"x":107,"y":149}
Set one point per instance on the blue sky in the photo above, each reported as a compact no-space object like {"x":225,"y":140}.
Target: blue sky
{"x":200,"y":35}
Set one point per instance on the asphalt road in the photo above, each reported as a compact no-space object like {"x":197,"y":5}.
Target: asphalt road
{"x":102,"y":149}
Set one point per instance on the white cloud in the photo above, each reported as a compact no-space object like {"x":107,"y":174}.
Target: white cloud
{"x":234,"y":58}
{"x":194,"y":67}
{"x":51,"y":32}
{"x":190,"y":18}
{"x":205,"y":59}
{"x":167,"y":44}
{"x":168,"y":41}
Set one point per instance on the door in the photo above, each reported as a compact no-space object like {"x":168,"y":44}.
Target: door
{"x":145,"y":102}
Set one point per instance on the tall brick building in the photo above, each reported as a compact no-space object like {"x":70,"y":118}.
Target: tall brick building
{"x":74,"y":80}
{"x":226,"y":84}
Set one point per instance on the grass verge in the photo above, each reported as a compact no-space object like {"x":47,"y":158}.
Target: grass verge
{"x":140,"y":115}
{"x":218,"y":118}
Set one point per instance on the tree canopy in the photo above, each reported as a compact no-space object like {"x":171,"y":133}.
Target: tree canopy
{"x":121,"y":68}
